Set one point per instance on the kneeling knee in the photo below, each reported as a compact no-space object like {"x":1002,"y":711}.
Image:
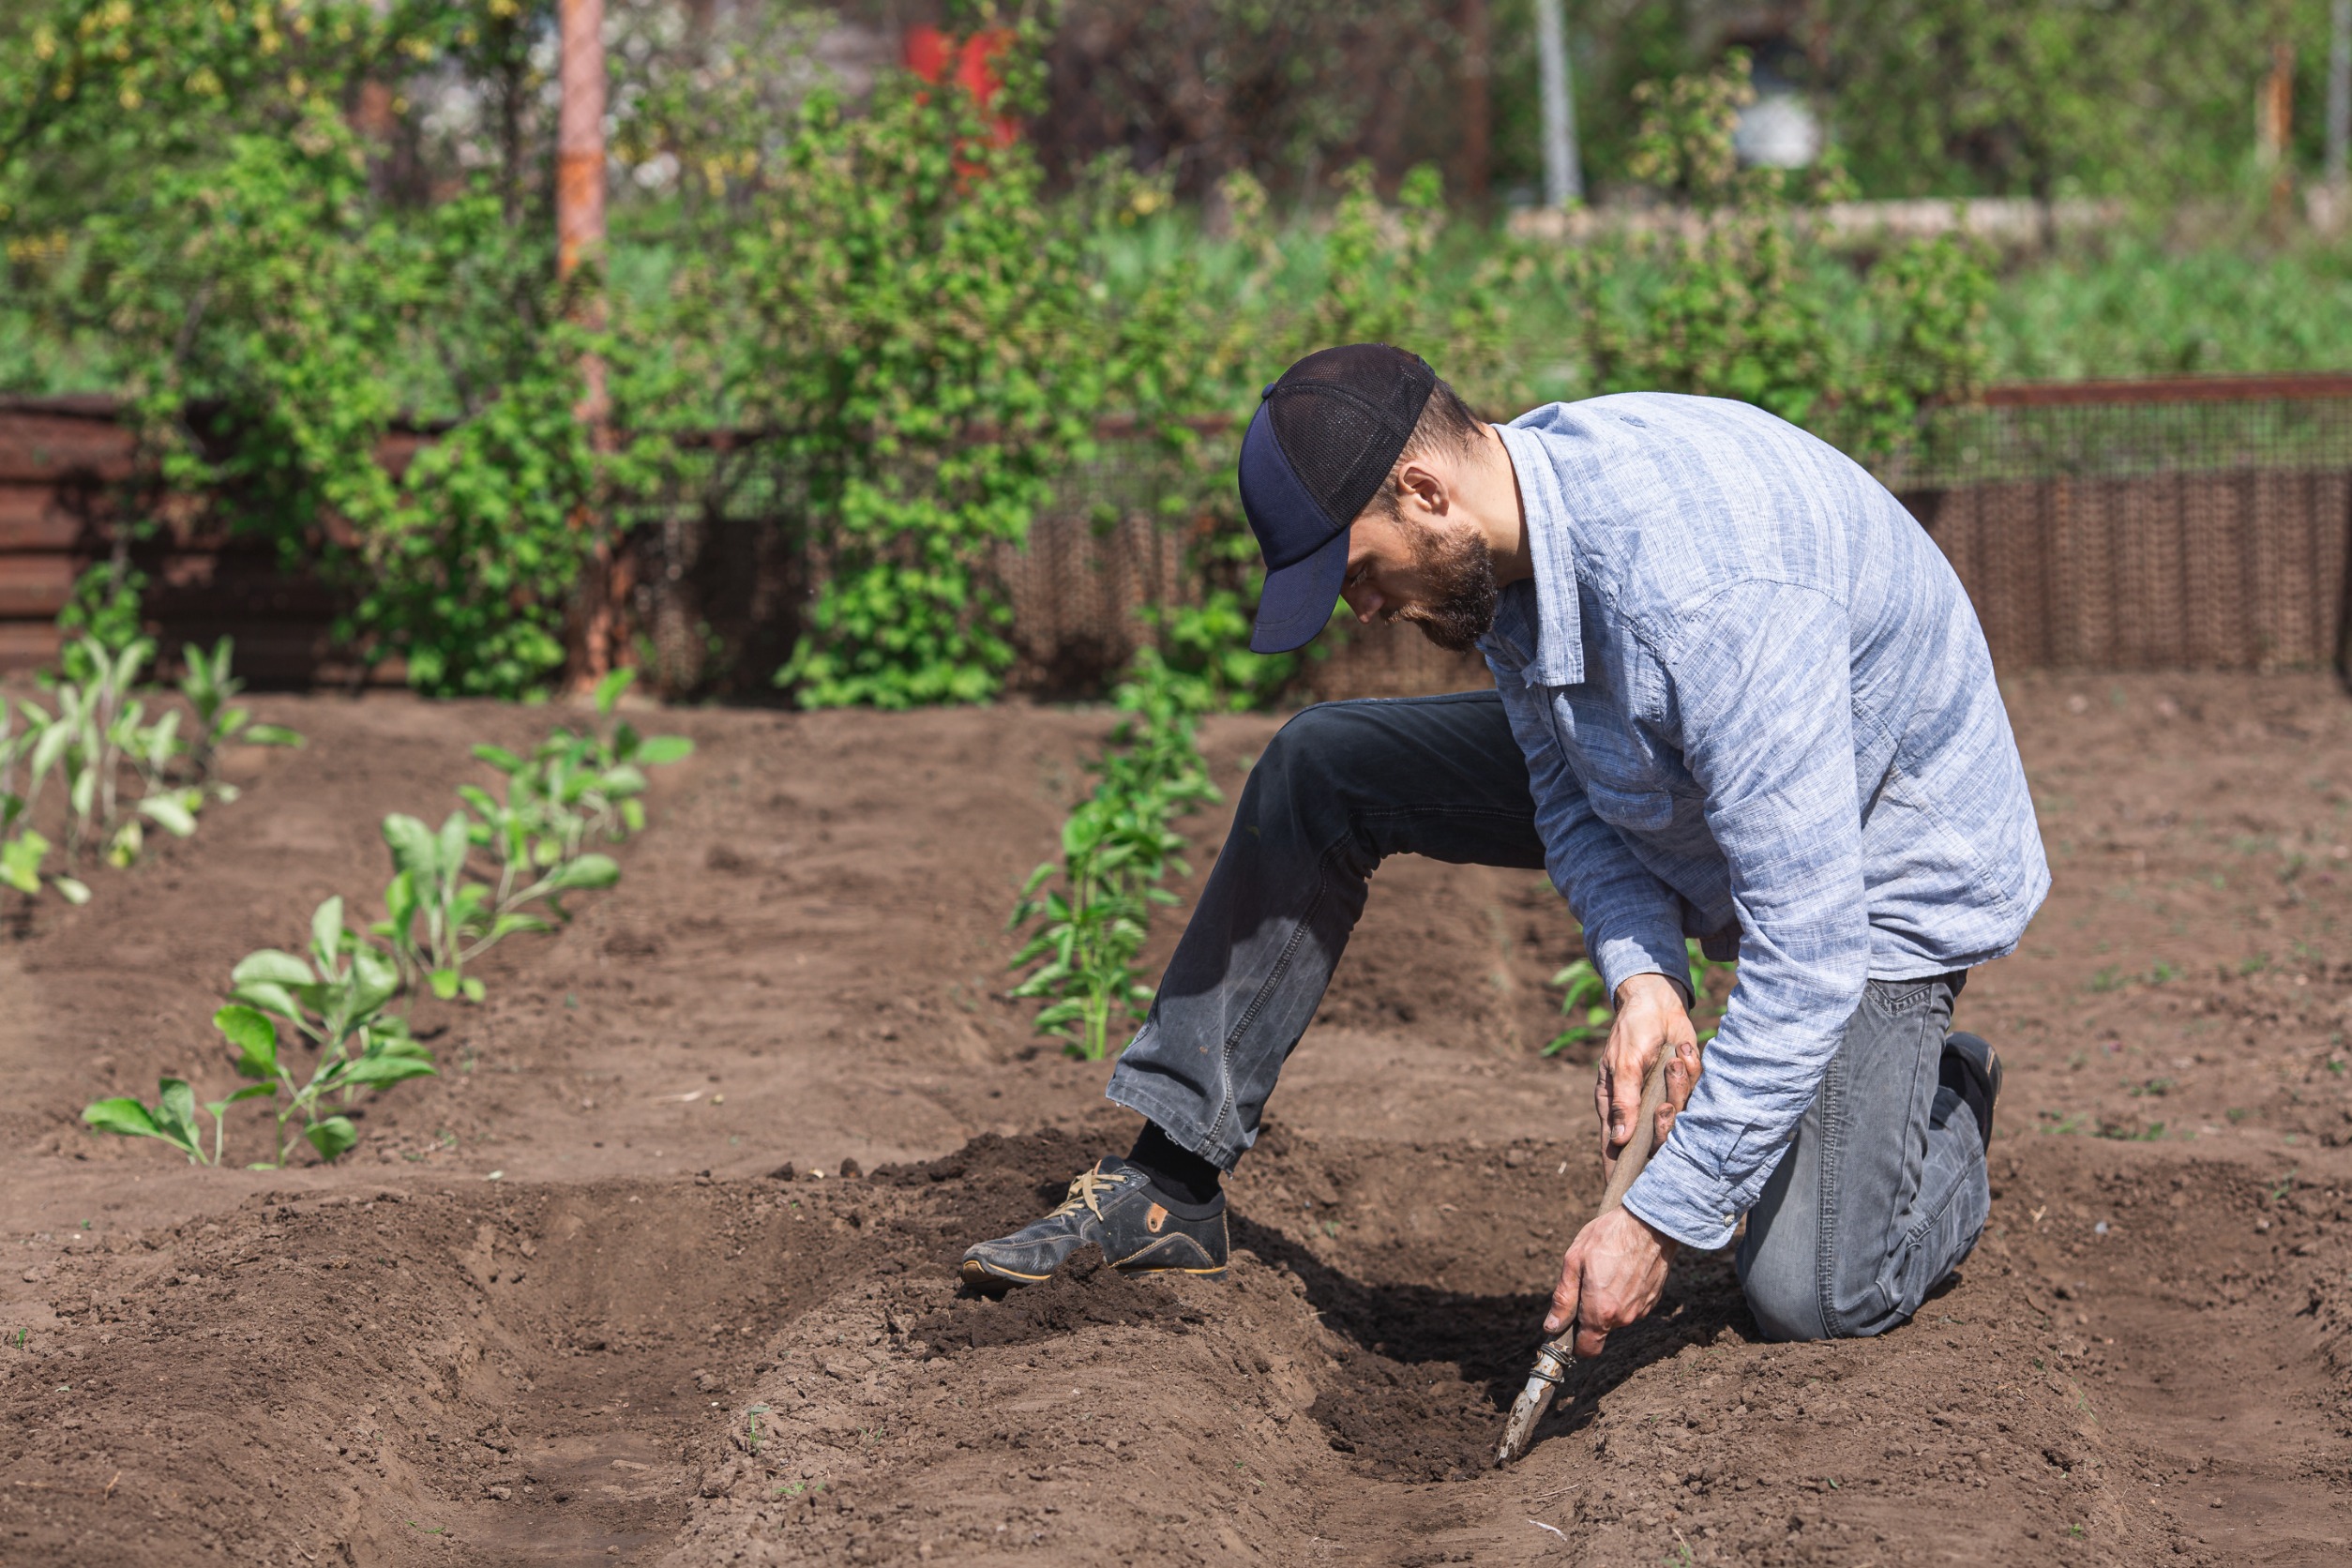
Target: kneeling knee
{"x":1785,"y":1309}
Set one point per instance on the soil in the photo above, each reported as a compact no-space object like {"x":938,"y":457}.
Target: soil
{"x":661,"y":1269}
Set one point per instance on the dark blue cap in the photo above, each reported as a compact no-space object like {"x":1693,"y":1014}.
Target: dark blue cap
{"x":1318,"y":448}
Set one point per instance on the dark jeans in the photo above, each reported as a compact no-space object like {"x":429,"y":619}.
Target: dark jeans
{"x":1882,"y":1192}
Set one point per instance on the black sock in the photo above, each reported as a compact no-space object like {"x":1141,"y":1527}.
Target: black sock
{"x":1178,"y":1172}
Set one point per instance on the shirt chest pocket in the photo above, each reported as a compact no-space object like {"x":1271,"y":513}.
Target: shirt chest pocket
{"x":1632,"y":810}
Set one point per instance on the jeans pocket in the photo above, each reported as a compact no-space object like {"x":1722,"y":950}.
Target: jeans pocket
{"x":1901,"y":998}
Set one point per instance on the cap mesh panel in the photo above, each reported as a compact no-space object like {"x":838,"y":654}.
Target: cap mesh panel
{"x":1343,"y":415}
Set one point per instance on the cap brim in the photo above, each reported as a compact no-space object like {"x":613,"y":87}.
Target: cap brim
{"x":1299,"y":599}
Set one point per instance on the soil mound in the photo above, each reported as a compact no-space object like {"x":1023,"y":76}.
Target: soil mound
{"x":551,"y":1310}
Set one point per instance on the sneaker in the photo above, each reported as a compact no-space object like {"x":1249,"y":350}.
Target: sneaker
{"x":1114,"y":1207}
{"x":1973,"y":1071}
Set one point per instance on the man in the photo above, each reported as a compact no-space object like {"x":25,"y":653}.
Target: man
{"x":1738,"y":695}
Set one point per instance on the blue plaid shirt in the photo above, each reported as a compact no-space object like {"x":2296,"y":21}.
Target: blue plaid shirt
{"x":1752,"y":696}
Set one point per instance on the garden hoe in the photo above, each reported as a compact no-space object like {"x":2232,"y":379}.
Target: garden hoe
{"x":1553,"y":1360}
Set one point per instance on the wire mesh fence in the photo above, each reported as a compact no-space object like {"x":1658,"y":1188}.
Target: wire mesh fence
{"x":2198,"y":523}
{"x":2194,"y":523}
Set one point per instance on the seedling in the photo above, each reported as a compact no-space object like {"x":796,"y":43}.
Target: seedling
{"x":209,"y":687}
{"x":100,"y":728}
{"x":171,"y":1118}
{"x":335,"y":999}
{"x":570,"y":791}
{"x":464,"y":917}
{"x":21,"y":860}
{"x":1585,"y":992}
{"x":576,"y":788}
{"x":1116,"y":848}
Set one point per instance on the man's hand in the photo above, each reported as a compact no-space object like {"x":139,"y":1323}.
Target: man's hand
{"x":1650,"y":1018}
{"x":1610,"y":1277}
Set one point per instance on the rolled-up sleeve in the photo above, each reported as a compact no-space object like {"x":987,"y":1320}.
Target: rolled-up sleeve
{"x":1763,"y":680}
{"x":1631,"y":924}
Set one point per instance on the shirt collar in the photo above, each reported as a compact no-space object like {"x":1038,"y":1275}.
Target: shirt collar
{"x":1558,"y":625}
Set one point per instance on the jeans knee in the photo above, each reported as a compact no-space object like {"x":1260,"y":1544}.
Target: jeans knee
{"x":1784,"y":1307}
{"x":1303,"y":761}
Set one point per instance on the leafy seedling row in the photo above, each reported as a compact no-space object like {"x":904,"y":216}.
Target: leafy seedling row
{"x":311,"y":1032}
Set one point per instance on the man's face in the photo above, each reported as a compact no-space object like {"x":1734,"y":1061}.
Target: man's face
{"x":1431,"y":569}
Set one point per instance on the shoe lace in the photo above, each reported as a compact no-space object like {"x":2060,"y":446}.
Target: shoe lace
{"x":1088,"y":1189}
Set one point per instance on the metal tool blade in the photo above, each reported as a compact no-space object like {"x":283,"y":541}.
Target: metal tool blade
{"x":1543,"y":1385}
{"x":1553,"y":1361}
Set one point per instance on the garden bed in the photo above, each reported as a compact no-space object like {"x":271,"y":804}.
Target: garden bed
{"x":566,"y":1303}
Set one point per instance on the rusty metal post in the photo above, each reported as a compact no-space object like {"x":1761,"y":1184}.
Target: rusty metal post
{"x":580,"y":150}
{"x":580,"y":236}
{"x":2277,"y":127}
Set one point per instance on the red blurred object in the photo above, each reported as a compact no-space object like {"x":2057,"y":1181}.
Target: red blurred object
{"x":936,"y":55}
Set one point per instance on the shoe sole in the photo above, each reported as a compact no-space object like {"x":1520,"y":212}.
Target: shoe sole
{"x":977,"y":1272}
{"x":1992,"y":1079}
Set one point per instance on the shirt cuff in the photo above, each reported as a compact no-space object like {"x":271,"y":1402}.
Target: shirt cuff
{"x":1621,"y":957}
{"x":1674,"y":1194}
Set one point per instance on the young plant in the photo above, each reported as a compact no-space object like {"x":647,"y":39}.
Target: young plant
{"x":210,"y":689}
{"x":463,"y":916}
{"x":171,"y":1118}
{"x":334,"y":998}
{"x":1116,"y":848}
{"x":21,"y":859}
{"x":1585,"y":996}
{"x":1115,"y":852}
{"x":574,"y":787}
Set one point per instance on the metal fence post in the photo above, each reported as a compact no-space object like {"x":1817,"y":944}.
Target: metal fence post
{"x":1563,"y":181}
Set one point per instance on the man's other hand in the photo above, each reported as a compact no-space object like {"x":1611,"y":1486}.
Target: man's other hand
{"x":1650,"y":1018}
{"x":1610,"y":1277}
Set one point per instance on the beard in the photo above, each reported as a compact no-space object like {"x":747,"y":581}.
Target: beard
{"x":1460,"y":571}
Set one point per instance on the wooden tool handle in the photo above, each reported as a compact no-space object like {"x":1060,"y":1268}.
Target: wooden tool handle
{"x":1639,"y":1147}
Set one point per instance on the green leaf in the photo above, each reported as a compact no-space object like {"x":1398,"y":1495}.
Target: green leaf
{"x":167,"y":812}
{"x":609,"y":689}
{"x":589,"y":870}
{"x":331,"y":1136}
{"x":326,"y":931}
{"x":271,"y":997}
{"x":388,"y":1068}
{"x":399,"y":906}
{"x":472,"y":989}
{"x":274,"y":967}
{"x":20,"y":861}
{"x":455,"y":839}
{"x":122,"y":1115}
{"x":254,"y":1037}
{"x":445,"y":984}
{"x":75,"y":891}
{"x":414,"y":849}
{"x":175,"y":1111}
{"x":500,"y":758}
{"x":633,"y":815}
{"x":272,"y":734}
{"x":374,"y":979}
{"x":512,"y":924}
{"x":658,"y":751}
{"x":622,"y":779}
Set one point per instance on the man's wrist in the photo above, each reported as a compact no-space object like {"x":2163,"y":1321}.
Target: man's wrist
{"x":1666,"y":1245}
{"x":1632,"y":985}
